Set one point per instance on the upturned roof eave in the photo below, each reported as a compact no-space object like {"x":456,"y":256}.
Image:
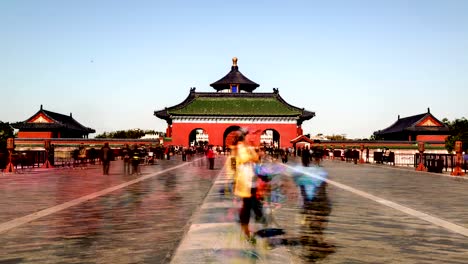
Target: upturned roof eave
{"x":301,"y":138}
{"x":68,"y":121}
{"x":229,"y":79}
{"x":306,"y":115}
{"x":236,"y":115}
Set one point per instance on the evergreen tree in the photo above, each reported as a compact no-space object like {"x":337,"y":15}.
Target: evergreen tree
{"x":6,"y":131}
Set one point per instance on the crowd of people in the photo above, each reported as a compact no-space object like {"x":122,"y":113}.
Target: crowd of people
{"x":252,"y":170}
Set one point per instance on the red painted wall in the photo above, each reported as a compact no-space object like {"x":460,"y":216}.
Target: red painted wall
{"x":44,"y":134}
{"x":181,"y":131}
{"x":431,"y":137}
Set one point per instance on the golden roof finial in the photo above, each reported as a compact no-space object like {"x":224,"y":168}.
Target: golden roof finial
{"x":234,"y":61}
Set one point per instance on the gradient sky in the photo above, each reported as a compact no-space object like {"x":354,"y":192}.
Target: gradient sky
{"x":357,"y":64}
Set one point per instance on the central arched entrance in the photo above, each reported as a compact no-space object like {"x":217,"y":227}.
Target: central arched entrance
{"x":229,"y":135}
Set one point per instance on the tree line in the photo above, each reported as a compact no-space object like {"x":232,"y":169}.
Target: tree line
{"x":130,"y":133}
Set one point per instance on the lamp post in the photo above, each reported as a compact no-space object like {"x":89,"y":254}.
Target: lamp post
{"x":47,"y":164}
{"x":10,"y":147}
{"x":421,"y":152}
{"x":458,"y":160}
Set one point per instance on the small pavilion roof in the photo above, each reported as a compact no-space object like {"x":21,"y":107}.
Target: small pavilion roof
{"x":301,"y":138}
{"x":57,"y":121}
{"x":235,"y":77}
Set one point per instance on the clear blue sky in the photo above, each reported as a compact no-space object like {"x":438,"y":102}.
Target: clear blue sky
{"x":357,"y":64}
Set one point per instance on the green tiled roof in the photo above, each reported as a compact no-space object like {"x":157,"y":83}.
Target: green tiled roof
{"x":236,"y":107}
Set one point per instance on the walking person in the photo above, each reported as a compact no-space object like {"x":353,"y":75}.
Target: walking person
{"x":126,"y":159}
{"x":106,"y":157}
{"x":211,"y":157}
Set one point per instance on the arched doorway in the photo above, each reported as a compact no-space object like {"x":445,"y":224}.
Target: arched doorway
{"x":229,"y":135}
{"x":270,"y":138}
{"x":198,"y":137}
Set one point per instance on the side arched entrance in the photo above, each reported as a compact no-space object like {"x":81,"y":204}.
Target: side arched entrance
{"x":198,"y":137}
{"x":270,"y":138}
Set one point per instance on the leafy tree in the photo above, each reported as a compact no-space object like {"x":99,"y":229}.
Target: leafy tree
{"x":6,"y":131}
{"x":458,"y":131}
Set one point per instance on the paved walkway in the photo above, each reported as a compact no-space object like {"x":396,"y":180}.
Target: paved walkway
{"x":173,"y":212}
{"x":366,"y":214}
{"x":81,"y":216}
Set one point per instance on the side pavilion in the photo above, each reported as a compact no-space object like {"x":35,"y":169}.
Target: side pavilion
{"x":48,"y":124}
{"x":423,"y":127}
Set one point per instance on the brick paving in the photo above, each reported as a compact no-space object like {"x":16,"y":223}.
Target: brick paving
{"x":180,"y":216}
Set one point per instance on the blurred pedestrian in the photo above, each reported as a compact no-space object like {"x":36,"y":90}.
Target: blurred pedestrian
{"x":308,"y":179}
{"x":184,"y":154}
{"x":82,"y":155}
{"x":246,"y":183}
{"x":367,"y":155}
{"x":305,"y":156}
{"x":106,"y":157}
{"x":135,"y":156}
{"x":284,"y":155}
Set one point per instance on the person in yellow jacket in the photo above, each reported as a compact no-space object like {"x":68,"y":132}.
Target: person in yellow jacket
{"x":246,"y":183}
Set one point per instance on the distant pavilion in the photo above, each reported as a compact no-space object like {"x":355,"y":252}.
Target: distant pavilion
{"x":48,"y":124}
{"x":421,"y":127}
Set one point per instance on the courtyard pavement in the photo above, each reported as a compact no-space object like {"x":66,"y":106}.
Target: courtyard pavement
{"x":181,"y":212}
{"x":364,"y":214}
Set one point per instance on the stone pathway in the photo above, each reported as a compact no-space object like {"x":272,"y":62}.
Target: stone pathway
{"x":141,"y":221}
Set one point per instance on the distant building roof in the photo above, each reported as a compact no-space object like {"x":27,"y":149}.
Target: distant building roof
{"x":45,"y":119}
{"x":235,"y":77}
{"x":417,"y":123}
